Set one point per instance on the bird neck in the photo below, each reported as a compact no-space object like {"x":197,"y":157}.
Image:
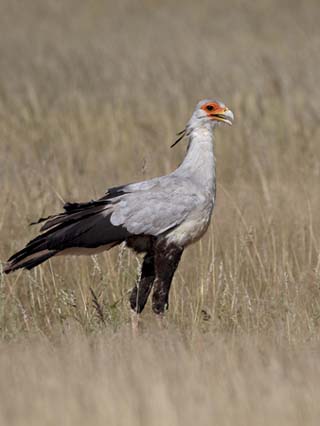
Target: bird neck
{"x":199,"y":162}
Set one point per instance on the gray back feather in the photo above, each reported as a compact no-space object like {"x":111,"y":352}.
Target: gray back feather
{"x":153,"y":207}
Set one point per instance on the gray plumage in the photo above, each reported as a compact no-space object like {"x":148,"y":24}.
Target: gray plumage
{"x":155,"y":208}
{"x":160,"y":216}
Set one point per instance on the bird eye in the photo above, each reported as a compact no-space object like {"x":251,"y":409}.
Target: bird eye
{"x":209,"y":107}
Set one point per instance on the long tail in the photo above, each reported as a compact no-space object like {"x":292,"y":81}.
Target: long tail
{"x":83,"y":228}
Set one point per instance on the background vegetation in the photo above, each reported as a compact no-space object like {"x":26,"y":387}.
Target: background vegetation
{"x":91,"y":96}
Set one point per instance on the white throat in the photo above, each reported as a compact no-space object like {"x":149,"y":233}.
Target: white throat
{"x":199,"y":162}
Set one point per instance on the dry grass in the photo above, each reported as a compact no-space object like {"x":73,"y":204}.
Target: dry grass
{"x":91,"y":95}
{"x":157,"y":380}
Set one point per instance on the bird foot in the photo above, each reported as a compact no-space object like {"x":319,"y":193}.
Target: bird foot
{"x":135,"y":321}
{"x":162,"y":321}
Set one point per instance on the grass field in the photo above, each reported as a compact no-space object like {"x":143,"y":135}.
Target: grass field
{"x":92,"y":94}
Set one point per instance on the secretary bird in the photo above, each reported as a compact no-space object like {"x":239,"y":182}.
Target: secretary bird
{"x":158,"y":217}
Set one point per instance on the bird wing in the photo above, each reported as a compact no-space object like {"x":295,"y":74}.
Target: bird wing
{"x":153,"y":207}
{"x":149,"y":208}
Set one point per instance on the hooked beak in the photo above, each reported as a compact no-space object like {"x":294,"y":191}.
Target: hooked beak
{"x":223,"y":114}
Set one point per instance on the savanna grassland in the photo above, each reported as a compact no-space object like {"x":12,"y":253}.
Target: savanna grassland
{"x":91,"y":96}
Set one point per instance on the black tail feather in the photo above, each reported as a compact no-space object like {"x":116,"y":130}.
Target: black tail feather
{"x":28,"y":262}
{"x":88,"y":226}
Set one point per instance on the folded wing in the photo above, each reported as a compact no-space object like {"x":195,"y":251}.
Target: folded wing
{"x":155,"y":210}
{"x":147,"y":208}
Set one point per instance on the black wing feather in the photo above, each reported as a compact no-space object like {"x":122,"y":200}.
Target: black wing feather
{"x":81,"y":225}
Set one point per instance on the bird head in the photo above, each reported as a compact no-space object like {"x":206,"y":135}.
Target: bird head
{"x":208,"y":113}
{"x":213,"y":112}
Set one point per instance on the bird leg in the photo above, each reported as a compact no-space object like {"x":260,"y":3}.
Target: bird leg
{"x":141,"y":291}
{"x":167,"y":257}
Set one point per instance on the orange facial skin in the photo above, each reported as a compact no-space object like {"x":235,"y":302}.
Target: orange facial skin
{"x":214,"y":111}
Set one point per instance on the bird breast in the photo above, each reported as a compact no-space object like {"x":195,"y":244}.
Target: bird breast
{"x":193,"y":227}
